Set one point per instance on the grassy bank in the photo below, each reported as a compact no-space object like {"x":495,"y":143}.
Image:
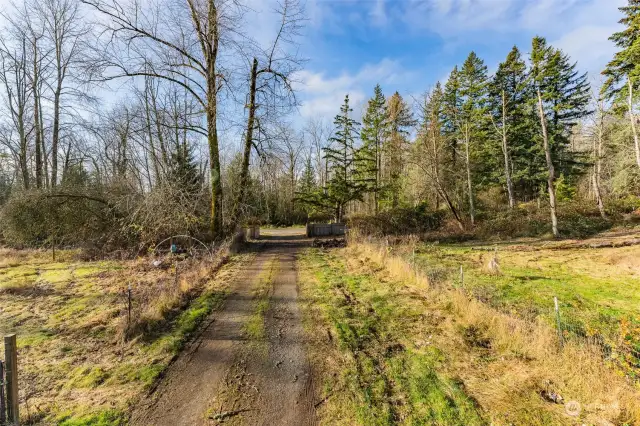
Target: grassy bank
{"x":391,"y":350}
{"x":598,"y":289}
{"x":79,"y":364}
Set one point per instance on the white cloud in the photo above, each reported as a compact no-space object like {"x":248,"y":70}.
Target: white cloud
{"x":322,"y":95}
{"x":378,"y":13}
{"x":590,"y":45}
{"x":550,"y":18}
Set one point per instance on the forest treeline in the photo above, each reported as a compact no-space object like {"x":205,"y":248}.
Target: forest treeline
{"x":206,"y":136}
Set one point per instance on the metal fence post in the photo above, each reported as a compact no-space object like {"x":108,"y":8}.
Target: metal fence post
{"x":461,"y":277}
{"x":11,"y":373}
{"x":129,"y":307}
{"x":558,"y":322}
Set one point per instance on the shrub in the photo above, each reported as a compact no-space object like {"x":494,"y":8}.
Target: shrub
{"x":34,"y":218}
{"x":401,"y":221}
{"x":575,"y":220}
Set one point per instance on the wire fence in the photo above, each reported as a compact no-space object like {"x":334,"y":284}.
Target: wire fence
{"x":619,"y":344}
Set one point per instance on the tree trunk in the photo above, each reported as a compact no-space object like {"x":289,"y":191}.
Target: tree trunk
{"x":505,"y":151}
{"x":45,"y":155}
{"x":36,"y":117}
{"x":551,"y":178}
{"x":472,"y":211}
{"x":376,"y":194}
{"x":152,"y":148}
{"x":55,"y":134}
{"x":441,"y":192}
{"x":632,"y":117}
{"x":212,"y":124}
{"x":248,"y":144}
{"x":24,"y":168}
{"x":597,"y":168}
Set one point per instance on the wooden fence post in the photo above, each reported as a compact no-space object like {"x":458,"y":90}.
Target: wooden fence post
{"x":3,"y":405}
{"x":11,"y":373}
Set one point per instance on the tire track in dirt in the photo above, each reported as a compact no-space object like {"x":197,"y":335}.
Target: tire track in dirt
{"x":226,"y":377}
{"x":184,"y":394}
{"x":271,"y":383}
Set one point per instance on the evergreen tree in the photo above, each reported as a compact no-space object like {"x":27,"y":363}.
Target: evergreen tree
{"x":343,"y":185}
{"x":432,"y":149}
{"x":375,"y":129}
{"x":623,"y":72}
{"x":509,"y":95}
{"x":183,"y":171}
{"x":473,"y":93}
{"x":451,"y":113}
{"x":400,"y":120}
{"x":307,"y":182}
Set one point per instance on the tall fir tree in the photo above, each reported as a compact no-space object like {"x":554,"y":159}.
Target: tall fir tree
{"x":623,"y":72}
{"x":451,"y":113}
{"x":562,"y":97}
{"x":400,"y":120}
{"x":183,"y":170}
{"x":344,"y":185}
{"x":473,"y":124}
{"x":375,"y":128}
{"x":509,"y":95}
{"x":432,"y":149}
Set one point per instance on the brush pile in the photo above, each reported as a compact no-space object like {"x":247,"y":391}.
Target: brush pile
{"x":333,"y":243}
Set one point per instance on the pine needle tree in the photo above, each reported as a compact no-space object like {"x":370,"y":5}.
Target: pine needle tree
{"x":509,"y":96}
{"x":623,"y":72}
{"x":400,"y":121}
{"x":344,"y":185}
{"x":473,"y":92}
{"x":375,"y":129}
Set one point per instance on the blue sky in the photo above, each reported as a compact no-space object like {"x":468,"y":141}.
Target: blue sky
{"x":408,"y":45}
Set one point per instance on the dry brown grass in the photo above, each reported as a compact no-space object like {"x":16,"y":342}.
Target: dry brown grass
{"x":71,"y":322}
{"x":508,"y":365}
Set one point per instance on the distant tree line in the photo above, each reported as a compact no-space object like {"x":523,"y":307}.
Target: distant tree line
{"x":204,"y":137}
{"x":533,"y":131}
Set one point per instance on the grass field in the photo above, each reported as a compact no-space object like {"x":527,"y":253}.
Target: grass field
{"x":76,"y":366}
{"x":598,"y":289}
{"x":392,"y":349}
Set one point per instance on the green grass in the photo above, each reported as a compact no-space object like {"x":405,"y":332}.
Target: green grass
{"x":69,"y":319}
{"x":187,"y":322}
{"x":385,"y":377}
{"x":255,"y":328}
{"x":103,"y":418}
{"x":599,"y":293}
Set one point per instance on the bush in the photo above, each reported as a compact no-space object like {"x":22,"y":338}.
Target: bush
{"x":102,"y":220}
{"x":575,"y":220}
{"x":400,"y":221}
{"x":35,"y":218}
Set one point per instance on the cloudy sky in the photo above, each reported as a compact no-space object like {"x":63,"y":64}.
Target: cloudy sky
{"x":408,"y":45}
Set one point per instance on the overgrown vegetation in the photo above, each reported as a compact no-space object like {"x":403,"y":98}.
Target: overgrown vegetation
{"x":378,"y":374}
{"x":81,"y":361}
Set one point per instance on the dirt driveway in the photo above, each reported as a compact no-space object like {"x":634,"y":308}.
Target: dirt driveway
{"x":249,"y":366}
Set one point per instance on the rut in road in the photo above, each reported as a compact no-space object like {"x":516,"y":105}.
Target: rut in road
{"x":231,"y":375}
